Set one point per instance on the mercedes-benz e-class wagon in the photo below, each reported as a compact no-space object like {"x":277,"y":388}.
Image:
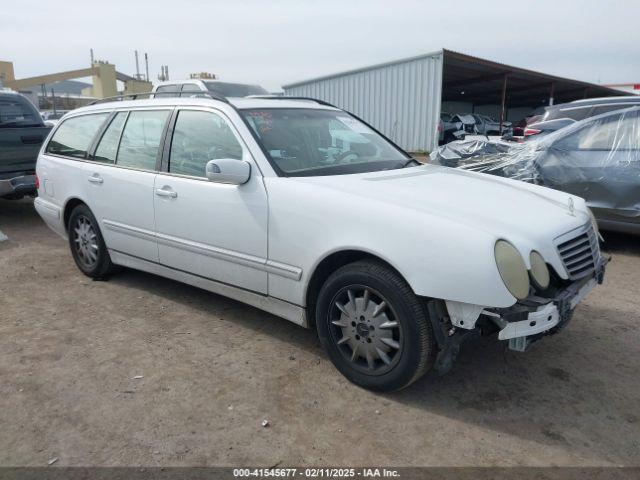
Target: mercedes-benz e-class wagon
{"x":303,"y":210}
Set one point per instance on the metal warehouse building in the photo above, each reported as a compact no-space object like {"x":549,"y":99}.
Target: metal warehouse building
{"x":404,"y":99}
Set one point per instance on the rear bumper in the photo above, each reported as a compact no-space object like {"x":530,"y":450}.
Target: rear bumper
{"x":51,"y":214}
{"x":21,"y":184}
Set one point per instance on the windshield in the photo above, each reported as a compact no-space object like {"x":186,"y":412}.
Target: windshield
{"x":235,"y":89}
{"x":17,"y":113}
{"x":313,"y":142}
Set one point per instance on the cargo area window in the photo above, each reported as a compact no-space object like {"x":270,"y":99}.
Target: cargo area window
{"x":74,"y":136}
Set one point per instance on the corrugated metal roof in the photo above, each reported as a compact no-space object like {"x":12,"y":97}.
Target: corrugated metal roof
{"x":451,"y":54}
{"x":363,"y":69}
{"x":401,"y":99}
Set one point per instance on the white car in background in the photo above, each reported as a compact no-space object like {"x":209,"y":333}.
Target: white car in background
{"x":301,"y":209}
{"x":198,"y":88}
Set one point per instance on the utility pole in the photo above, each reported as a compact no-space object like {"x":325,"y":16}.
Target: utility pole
{"x":137,"y":66}
{"x":146,"y":65}
{"x":503,"y":103}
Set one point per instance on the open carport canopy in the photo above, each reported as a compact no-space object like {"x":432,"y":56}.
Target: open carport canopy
{"x":481,"y":82}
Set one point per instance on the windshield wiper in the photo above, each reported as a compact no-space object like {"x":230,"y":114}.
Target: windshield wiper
{"x":409,"y":163}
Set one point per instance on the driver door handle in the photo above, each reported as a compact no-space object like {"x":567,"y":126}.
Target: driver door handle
{"x":166,"y":191}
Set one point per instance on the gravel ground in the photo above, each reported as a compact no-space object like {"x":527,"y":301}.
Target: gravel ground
{"x":140,"y":370}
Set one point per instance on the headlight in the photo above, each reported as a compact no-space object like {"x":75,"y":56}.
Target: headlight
{"x":512,"y":269}
{"x":539,"y":270}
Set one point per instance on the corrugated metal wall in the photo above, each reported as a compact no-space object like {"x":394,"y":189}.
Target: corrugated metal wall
{"x":401,"y":99}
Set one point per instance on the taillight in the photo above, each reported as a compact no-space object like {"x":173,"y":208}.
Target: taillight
{"x":531,"y":131}
{"x":37,"y":182}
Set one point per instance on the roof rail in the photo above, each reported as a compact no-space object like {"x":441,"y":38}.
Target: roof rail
{"x":283,"y":97}
{"x":151,"y":95}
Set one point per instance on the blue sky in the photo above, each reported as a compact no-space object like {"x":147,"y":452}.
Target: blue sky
{"x":280,"y":41}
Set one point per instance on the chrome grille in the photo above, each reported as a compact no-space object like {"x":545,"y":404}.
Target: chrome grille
{"x":580,"y":251}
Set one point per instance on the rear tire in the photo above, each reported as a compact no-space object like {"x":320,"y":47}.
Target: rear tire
{"x":375,"y":330}
{"x":87,"y":244}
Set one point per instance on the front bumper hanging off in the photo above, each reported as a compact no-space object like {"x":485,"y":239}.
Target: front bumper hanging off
{"x":545,"y":318}
{"x":520,"y":324}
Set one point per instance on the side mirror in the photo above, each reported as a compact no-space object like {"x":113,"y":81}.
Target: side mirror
{"x":228,"y":170}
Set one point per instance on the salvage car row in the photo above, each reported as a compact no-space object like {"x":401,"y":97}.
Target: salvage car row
{"x":456,"y":127}
{"x":540,"y":122}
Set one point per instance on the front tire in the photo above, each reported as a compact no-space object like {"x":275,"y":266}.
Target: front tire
{"x":375,"y":330}
{"x":87,"y":245}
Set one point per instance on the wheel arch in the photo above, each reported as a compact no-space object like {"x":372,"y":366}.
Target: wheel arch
{"x":329,"y":264}
{"x":70,"y":204}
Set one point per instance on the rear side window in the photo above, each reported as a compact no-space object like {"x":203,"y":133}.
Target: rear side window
{"x":141,"y":139}
{"x":75,"y":135}
{"x":191,"y":90}
{"x":235,"y":89}
{"x":167,"y":91}
{"x":18,"y":113}
{"x":616,"y":132}
{"x":108,"y":146}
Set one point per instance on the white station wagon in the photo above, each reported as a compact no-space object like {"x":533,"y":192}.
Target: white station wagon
{"x":301,"y":209}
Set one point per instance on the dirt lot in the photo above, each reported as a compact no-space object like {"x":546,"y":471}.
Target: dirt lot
{"x":213,"y":369}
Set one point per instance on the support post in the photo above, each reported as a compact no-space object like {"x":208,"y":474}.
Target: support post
{"x":504,"y":100}
{"x":551,"y":93}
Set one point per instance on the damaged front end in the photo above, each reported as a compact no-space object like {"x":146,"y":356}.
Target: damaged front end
{"x":543,"y":312}
{"x":536,"y":316}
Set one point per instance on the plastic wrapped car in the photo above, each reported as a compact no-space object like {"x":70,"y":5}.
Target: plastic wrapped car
{"x":597,"y":159}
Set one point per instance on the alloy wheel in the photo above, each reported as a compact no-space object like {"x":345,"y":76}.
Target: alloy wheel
{"x":366,"y":329}
{"x":85,"y":241}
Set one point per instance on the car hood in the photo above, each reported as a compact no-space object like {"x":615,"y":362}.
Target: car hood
{"x":503,"y":207}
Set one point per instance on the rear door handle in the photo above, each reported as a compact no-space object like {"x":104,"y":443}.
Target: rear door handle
{"x":166,"y":191}
{"x":95,"y":178}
